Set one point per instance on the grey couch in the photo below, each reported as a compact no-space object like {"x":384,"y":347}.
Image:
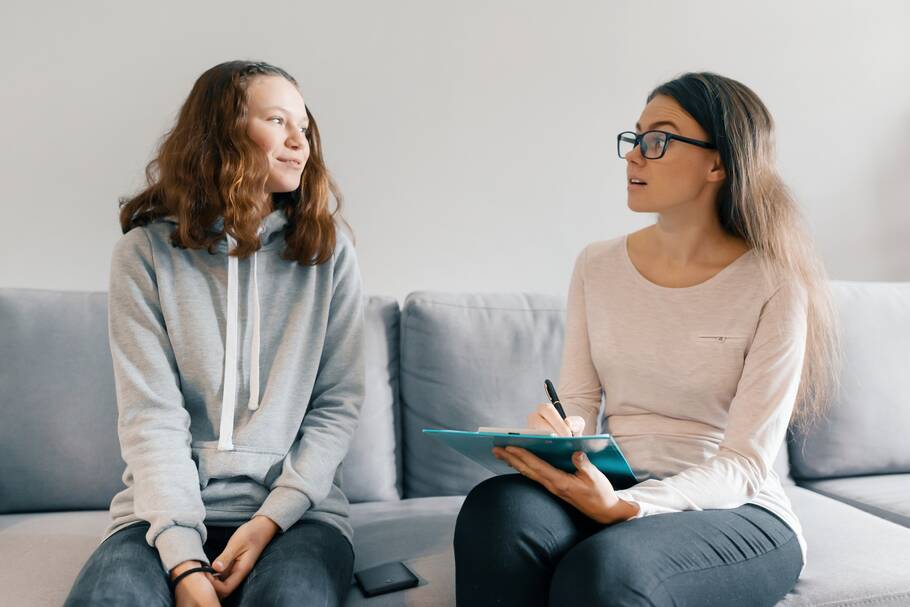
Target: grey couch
{"x":442,"y":361}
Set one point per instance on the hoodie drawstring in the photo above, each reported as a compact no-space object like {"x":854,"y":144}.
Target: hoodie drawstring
{"x":254,"y":348}
{"x":232,"y":316}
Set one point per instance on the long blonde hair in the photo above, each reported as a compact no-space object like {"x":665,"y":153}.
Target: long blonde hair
{"x":755,"y":204}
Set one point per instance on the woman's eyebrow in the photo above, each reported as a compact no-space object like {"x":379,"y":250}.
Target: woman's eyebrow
{"x":286,"y":111}
{"x":658,"y":124}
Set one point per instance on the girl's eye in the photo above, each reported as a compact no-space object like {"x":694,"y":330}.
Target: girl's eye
{"x":278,"y":118}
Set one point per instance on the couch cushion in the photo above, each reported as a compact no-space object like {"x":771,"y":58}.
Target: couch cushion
{"x":886,"y":495}
{"x":865,"y":429}
{"x":58,"y":440}
{"x":31,"y":542}
{"x":418,"y":532}
{"x":58,"y":437}
{"x":468,"y":361}
{"x":854,"y":558}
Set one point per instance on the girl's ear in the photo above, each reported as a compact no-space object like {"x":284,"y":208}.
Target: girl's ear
{"x":717,"y":171}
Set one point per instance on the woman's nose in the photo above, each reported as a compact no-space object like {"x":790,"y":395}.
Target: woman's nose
{"x":634,"y":156}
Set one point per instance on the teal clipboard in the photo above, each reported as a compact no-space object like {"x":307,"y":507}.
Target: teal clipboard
{"x":601,"y":449}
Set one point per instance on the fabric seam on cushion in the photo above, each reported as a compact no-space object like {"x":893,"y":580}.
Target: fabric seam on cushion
{"x":877,"y":512}
{"x":466,"y":307}
{"x":866,"y":601}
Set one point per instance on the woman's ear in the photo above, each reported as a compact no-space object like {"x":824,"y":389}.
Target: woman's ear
{"x":717,"y":172}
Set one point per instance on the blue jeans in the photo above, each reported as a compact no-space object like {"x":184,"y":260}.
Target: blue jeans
{"x":309,"y":564}
{"x":517,"y":544}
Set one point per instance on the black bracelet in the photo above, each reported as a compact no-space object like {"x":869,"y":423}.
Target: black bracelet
{"x":204,"y":568}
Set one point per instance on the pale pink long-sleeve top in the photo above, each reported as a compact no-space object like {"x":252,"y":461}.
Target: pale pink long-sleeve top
{"x":698,"y":382}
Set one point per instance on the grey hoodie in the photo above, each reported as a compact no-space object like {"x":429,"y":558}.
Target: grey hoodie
{"x":239,"y":384}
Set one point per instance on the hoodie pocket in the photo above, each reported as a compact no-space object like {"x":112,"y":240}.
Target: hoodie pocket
{"x":255,"y":465}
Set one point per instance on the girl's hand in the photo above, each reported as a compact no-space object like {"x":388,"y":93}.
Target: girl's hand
{"x":546,"y":419}
{"x":588,"y":489}
{"x":241,"y":553}
{"x":196,"y":589}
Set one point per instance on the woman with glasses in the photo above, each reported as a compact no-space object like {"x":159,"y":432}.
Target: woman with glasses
{"x":705,"y":333}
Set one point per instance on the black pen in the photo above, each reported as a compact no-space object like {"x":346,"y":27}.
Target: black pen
{"x":554,"y":398}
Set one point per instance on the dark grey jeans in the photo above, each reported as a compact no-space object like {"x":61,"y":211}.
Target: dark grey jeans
{"x":517,"y":544}
{"x":309,"y":564}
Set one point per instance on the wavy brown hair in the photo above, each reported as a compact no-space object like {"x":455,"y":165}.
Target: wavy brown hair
{"x":207,"y":167}
{"x":755,"y":204}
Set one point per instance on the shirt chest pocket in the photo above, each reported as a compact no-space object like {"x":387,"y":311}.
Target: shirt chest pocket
{"x":721,"y":339}
{"x":719,"y":354}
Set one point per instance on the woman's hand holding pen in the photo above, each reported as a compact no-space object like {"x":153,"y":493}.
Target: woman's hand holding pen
{"x":546,"y":419}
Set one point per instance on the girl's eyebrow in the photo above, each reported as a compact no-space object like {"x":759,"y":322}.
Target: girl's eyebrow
{"x":284,"y":110}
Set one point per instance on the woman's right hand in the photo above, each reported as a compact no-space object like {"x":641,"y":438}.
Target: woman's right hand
{"x":546,"y":419}
{"x":196,"y":589}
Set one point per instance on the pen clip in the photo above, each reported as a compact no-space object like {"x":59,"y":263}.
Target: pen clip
{"x":551,"y":391}
{"x":554,"y":398}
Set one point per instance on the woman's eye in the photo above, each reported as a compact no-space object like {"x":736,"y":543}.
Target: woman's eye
{"x":278,"y":118}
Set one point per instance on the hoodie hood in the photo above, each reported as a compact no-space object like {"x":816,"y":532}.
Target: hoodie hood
{"x":271,"y":236}
{"x":271,"y":230}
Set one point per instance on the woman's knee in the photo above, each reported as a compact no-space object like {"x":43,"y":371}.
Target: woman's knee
{"x":603,"y":570}
{"x":499,"y":505}
{"x":513,"y":519}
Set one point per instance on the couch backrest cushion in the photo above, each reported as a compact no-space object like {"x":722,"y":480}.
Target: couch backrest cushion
{"x":866,"y":427}
{"x":58,"y":413}
{"x":468,"y":361}
{"x":782,"y":465}
{"x":372,"y":466}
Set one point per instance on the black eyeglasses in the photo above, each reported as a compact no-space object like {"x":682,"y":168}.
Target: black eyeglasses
{"x":653,"y":144}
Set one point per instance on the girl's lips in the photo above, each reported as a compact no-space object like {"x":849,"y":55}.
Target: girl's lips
{"x":296,"y":164}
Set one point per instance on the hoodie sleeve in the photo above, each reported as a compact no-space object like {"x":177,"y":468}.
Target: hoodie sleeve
{"x":153,"y":424}
{"x":309,"y":468}
{"x":757,"y":422}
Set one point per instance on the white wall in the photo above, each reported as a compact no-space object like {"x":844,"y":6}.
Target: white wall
{"x":474,"y":141}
